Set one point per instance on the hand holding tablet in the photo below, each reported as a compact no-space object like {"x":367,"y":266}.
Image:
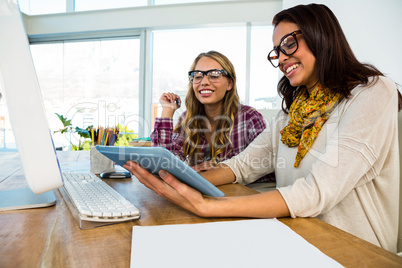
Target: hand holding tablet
{"x":153,"y":159}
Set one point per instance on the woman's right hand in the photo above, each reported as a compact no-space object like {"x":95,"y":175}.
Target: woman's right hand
{"x":204,"y":166}
{"x":171,"y":188}
{"x":170,"y":103}
{"x":169,"y":100}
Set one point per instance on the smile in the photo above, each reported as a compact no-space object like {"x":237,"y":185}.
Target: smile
{"x":291,"y":68}
{"x":206,"y":91}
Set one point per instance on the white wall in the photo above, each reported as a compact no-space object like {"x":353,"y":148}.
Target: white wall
{"x":372,"y":28}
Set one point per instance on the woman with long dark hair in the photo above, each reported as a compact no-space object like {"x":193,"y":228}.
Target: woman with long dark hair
{"x":333,"y":147}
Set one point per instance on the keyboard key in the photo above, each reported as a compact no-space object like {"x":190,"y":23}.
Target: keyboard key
{"x":96,"y":201}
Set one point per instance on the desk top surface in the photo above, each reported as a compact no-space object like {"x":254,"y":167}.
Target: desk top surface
{"x":50,"y":237}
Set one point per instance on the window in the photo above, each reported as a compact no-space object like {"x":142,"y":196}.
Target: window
{"x":91,"y":82}
{"x":167,"y":2}
{"x":36,"y":7}
{"x":81,"y":5}
{"x":174,"y":52}
{"x":263,"y":76}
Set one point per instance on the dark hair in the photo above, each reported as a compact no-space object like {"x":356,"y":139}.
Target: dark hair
{"x":337,"y":66}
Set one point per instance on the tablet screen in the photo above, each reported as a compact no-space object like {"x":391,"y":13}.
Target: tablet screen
{"x":154,"y":159}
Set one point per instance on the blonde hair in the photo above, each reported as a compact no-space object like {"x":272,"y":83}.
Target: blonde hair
{"x":194,"y":120}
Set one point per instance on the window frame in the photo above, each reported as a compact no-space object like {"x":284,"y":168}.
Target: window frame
{"x":140,"y":22}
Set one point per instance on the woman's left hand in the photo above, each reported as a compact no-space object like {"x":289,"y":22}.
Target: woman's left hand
{"x":170,"y":188}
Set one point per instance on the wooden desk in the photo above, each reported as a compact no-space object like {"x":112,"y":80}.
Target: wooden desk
{"x":49,"y":237}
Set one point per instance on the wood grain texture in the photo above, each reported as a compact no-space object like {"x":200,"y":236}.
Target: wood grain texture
{"x":50,"y":237}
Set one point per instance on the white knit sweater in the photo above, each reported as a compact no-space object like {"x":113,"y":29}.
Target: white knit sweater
{"x":350,"y":176}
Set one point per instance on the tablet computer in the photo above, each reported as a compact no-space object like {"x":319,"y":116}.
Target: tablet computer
{"x":154,"y":159}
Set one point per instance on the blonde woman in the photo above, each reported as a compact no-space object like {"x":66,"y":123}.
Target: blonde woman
{"x":215,"y":126}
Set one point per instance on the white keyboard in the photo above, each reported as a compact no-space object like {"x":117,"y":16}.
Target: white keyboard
{"x":96,"y":202}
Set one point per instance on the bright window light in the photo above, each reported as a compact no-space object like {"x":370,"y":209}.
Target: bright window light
{"x":91,"y":82}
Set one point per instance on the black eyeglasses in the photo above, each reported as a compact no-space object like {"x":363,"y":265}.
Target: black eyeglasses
{"x":288,"y":46}
{"x":213,"y":75}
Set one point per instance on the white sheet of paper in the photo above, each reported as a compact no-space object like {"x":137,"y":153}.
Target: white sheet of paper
{"x":243,"y":243}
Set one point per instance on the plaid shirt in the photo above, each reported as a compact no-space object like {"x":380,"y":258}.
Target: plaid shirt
{"x":247,"y":126}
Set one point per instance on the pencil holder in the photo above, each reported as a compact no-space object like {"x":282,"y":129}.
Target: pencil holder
{"x":99,"y":162}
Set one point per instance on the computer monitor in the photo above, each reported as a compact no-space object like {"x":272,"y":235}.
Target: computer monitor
{"x":20,"y":88}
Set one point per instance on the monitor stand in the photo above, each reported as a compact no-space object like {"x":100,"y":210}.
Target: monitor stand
{"x":25,"y":198}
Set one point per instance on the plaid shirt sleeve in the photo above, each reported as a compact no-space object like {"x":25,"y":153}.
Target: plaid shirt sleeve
{"x":255,"y":124}
{"x":163,"y":136}
{"x":248,"y":125}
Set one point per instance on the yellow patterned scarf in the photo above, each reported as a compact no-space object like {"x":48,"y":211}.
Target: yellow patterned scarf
{"x":307,"y":115}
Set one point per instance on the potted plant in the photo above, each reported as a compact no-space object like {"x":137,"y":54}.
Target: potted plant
{"x":83,"y":134}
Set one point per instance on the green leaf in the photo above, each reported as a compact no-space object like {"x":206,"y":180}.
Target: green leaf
{"x":64,"y":120}
{"x":84,"y":133}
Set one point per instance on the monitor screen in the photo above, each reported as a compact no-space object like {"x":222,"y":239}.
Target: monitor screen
{"x":20,"y":88}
